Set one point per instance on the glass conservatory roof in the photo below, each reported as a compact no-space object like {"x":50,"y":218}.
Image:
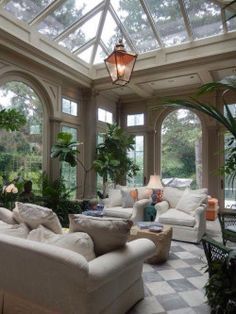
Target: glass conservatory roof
{"x":89,"y":29}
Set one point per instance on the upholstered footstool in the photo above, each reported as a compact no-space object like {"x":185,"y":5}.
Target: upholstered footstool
{"x":162,"y":240}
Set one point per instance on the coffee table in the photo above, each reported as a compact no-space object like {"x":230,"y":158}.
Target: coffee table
{"x":162,"y":240}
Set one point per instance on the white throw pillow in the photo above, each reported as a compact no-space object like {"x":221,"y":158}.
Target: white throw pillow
{"x":40,"y":234}
{"x":190,"y":201}
{"x":6,"y":215}
{"x":78,"y":242}
{"x":107,"y":234}
{"x":115,"y":197}
{"x":34,"y":215}
{"x":172,"y":195}
{"x":19,"y":230}
{"x":144,"y":193}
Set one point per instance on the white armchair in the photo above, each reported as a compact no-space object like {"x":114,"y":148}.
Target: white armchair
{"x":184,"y":211}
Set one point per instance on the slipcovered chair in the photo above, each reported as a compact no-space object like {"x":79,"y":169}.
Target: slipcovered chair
{"x":184,"y":211}
{"x":227,"y":221}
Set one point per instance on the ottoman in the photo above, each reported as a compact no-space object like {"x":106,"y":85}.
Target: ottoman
{"x":162,"y":240}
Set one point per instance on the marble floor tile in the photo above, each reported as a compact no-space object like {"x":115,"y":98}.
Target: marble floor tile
{"x":193,"y":298}
{"x":170,"y":274}
{"x":198,"y":282}
{"x":160,"y":288}
{"x":184,"y":255}
{"x":171,"y":301}
{"x":177,"y":263}
{"x":180,"y":285}
{"x":189,"y":272}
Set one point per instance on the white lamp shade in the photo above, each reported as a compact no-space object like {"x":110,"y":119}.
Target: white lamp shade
{"x":155,"y":182}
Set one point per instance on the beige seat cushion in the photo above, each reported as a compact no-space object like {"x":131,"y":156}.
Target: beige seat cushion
{"x":118,"y":212}
{"x":191,"y":200}
{"x":34,"y":215}
{"x":176,"y":217}
{"x":6,"y":215}
{"x":172,"y":195}
{"x":17,"y":230}
{"x":107,"y":234}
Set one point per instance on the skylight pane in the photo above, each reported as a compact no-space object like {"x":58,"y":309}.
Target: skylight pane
{"x":205,"y":18}
{"x":136,"y":23}
{"x":26,"y":10}
{"x":100,"y":55}
{"x":111,"y":34}
{"x":66,"y":14}
{"x":82,"y":35}
{"x":86,"y":54}
{"x":232,"y":22}
{"x":169,"y":21}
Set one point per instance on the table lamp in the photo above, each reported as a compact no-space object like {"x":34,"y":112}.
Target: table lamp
{"x":157,"y":188}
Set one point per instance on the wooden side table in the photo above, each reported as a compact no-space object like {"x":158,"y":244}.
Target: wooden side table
{"x":162,"y":240}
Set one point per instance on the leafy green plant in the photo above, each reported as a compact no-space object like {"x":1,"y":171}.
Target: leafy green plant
{"x":228,"y":121}
{"x":112,"y":160}
{"x":218,"y":288}
{"x":55,"y":195}
{"x":11,"y":119}
{"x":67,"y":150}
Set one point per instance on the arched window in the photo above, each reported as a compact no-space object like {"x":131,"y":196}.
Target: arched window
{"x":21,"y":151}
{"x":181,"y":138}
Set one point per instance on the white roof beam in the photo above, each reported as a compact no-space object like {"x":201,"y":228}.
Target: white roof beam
{"x":104,"y":47}
{"x":85,"y":46}
{"x":79,"y":22}
{"x":152,"y":22}
{"x":223,"y":19}
{"x":46,"y":11}
{"x":99,"y":30}
{"x":122,"y":28}
{"x":186,"y":20}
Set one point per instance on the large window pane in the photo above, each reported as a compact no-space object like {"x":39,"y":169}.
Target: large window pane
{"x":21,"y":151}
{"x":181,"y":136}
{"x":105,"y":116}
{"x":230,"y":190}
{"x":135,"y":119}
{"x":138,"y":157}
{"x":68,"y":173}
{"x":69,"y":107}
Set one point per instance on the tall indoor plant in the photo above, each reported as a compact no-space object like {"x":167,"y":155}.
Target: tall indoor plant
{"x":112,"y":159}
{"x":67,"y":150}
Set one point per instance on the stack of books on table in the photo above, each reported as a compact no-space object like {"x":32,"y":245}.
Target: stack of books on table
{"x":153,"y":226}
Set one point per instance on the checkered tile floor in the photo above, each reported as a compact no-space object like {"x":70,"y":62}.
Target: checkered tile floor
{"x":176,"y":286}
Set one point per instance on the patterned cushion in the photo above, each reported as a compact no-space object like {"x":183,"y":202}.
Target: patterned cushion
{"x":129,"y":197}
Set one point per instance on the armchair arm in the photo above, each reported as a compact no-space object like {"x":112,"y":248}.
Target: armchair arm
{"x":200,"y":216}
{"x":161,"y":207}
{"x":109,"y":266}
{"x":138,"y":210}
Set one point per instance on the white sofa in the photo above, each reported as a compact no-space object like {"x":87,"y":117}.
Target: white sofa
{"x":62,"y":274}
{"x":38,"y":278}
{"x":114,"y":206}
{"x":184,"y":211}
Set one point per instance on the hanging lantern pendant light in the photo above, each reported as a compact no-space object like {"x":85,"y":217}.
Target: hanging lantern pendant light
{"x":120,"y":64}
